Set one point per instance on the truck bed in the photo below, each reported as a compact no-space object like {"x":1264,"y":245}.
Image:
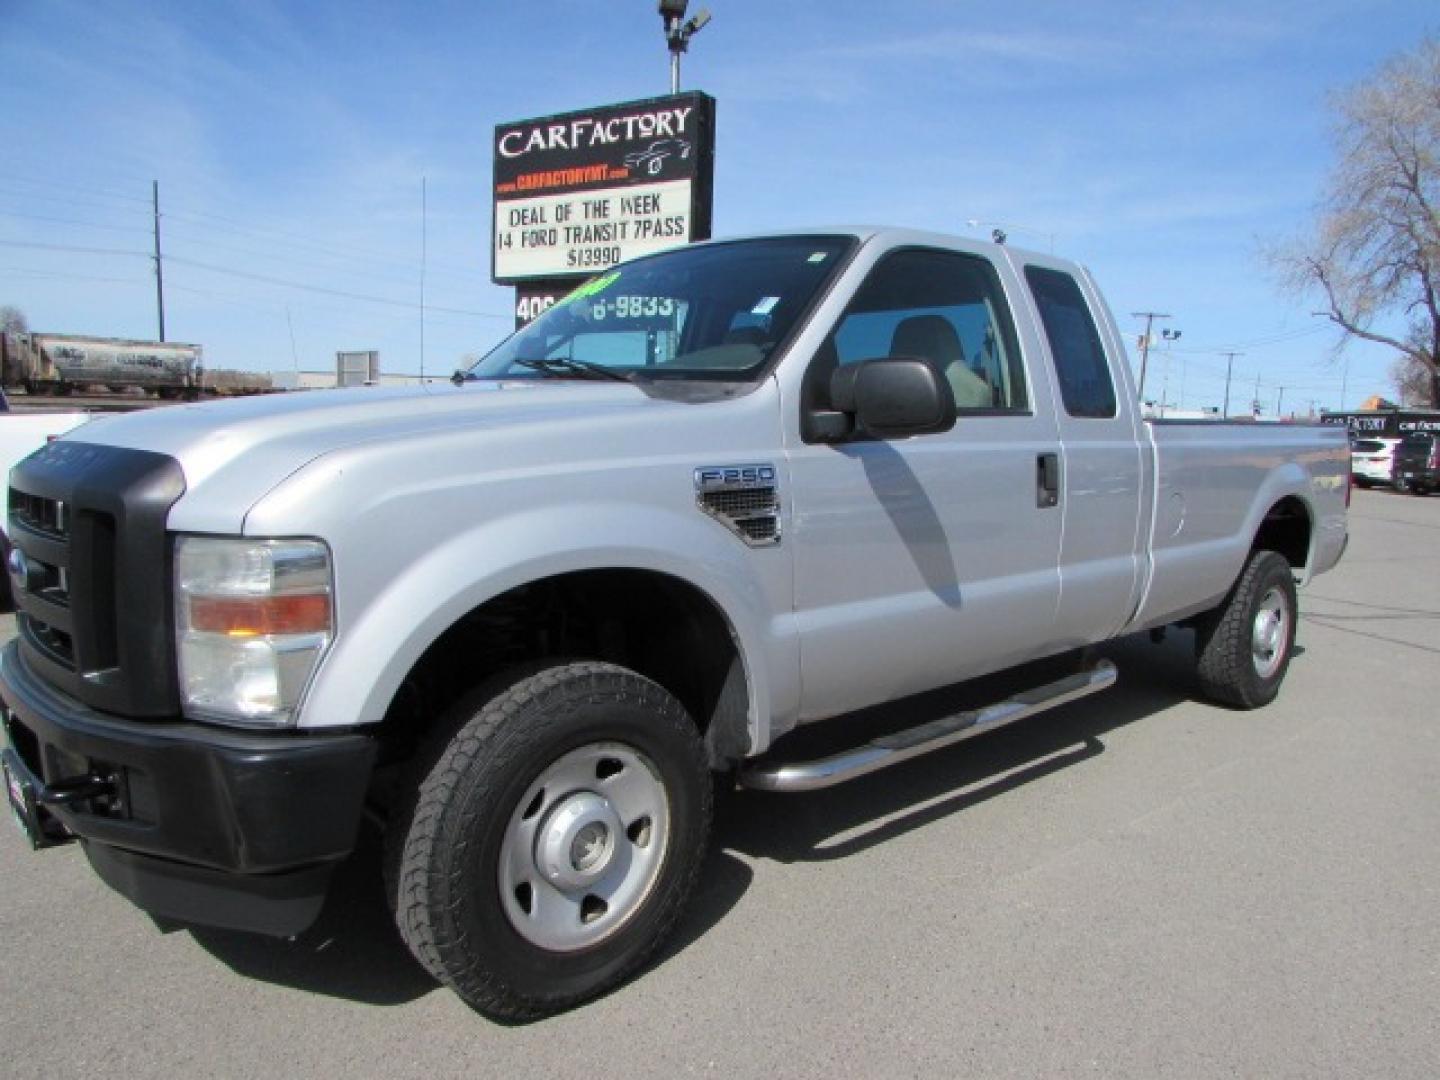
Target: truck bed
{"x":1214,"y":483}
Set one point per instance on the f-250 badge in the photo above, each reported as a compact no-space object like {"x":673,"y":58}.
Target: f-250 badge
{"x":743,"y":498}
{"x":732,"y":477}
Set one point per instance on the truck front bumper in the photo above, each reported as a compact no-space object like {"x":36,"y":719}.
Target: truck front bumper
{"x":193,"y":823}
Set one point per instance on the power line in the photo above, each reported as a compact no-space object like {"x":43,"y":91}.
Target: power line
{"x":284,"y":238}
{"x":64,"y":199}
{"x":50,"y":182}
{"x":292,"y":261}
{"x":265,"y":278}
{"x":331,"y":292}
{"x":1258,"y":343}
{"x":206,"y":221}
{"x":24,"y":271}
{"x":72,"y":249}
{"x":72,"y":221}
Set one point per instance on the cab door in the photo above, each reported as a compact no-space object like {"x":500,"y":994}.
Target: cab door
{"x":1103,"y":545}
{"x":925,"y":560}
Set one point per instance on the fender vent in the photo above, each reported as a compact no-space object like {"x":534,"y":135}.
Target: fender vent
{"x":744,"y":498}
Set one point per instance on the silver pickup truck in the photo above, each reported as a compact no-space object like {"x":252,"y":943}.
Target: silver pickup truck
{"x":528,"y":619}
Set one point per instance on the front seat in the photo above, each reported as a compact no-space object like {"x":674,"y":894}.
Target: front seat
{"x":933,"y":338}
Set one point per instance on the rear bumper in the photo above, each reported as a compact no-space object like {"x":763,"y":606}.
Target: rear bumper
{"x":200,"y":824}
{"x":1419,"y":477}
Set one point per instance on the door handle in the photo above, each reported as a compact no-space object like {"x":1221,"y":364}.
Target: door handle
{"x":1047,"y":481}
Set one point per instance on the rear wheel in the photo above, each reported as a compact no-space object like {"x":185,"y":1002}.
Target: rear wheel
{"x":1244,"y":645}
{"x":556,"y":840}
{"x":1401,"y":484}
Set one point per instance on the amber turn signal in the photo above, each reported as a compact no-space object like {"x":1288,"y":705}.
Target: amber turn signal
{"x":258,"y":616}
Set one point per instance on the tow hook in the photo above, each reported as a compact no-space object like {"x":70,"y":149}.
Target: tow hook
{"x":77,"y":789}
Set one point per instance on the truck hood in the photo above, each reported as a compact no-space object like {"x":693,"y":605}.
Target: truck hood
{"x":236,"y":451}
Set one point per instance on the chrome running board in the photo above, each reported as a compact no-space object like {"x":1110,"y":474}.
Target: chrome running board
{"x":911,"y":743}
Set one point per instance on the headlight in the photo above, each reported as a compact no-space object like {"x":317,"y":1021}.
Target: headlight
{"x":253,"y":618}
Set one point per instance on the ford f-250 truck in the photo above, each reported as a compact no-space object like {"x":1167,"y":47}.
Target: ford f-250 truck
{"x":526,"y":619}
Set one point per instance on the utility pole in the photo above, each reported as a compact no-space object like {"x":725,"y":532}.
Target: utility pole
{"x":1278,"y":399}
{"x":159,"y":272}
{"x":1149,"y":317}
{"x":1255,"y":399}
{"x":1229,"y":367}
{"x":294,"y":356}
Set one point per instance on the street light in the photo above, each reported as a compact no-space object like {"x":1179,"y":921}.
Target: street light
{"x":678,"y":33}
{"x":1170,"y":335}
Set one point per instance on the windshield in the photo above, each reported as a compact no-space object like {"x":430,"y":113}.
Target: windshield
{"x":711,"y":312}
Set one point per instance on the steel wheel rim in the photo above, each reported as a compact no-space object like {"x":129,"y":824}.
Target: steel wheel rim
{"x":1270,"y":633}
{"x":584,"y":846}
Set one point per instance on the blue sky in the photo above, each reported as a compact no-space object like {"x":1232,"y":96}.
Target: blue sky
{"x":1160,"y":144}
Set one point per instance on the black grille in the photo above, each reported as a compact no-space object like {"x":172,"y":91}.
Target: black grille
{"x":39,"y":515}
{"x":753,"y":512}
{"x":91,"y":573}
{"x":758,"y":528}
{"x":736,"y":503}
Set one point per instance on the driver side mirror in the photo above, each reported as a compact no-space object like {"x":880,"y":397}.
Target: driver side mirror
{"x":893,"y":397}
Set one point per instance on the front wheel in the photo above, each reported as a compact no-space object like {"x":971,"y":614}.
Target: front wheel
{"x":1244,"y":645}
{"x":556,"y":840}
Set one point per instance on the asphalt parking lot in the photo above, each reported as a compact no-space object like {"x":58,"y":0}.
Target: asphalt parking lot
{"x":1136,"y":885}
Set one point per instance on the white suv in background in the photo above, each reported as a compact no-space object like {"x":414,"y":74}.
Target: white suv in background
{"x":1372,"y":460}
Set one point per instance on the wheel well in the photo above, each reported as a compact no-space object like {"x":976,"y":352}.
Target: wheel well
{"x":657,"y":625}
{"x":1286,"y":530}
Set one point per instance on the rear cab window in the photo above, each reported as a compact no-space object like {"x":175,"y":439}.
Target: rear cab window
{"x":1086,"y":386}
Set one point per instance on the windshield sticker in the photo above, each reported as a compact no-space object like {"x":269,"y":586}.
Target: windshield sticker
{"x":818,"y":257}
{"x":765,"y":306}
{"x":632,"y":307}
{"x":590,"y":288}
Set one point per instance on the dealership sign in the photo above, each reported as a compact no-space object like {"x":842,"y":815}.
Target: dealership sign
{"x":1392,"y":422}
{"x":581,"y":191}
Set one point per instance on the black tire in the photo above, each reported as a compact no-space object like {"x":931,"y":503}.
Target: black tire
{"x":1401,"y":485}
{"x":450,"y":843}
{"x":1362,"y":481}
{"x":1228,"y":655}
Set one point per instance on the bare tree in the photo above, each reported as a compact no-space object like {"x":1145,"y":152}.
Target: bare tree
{"x":1375,"y":248}
{"x":12,"y":320}
{"x":1411,"y":380}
